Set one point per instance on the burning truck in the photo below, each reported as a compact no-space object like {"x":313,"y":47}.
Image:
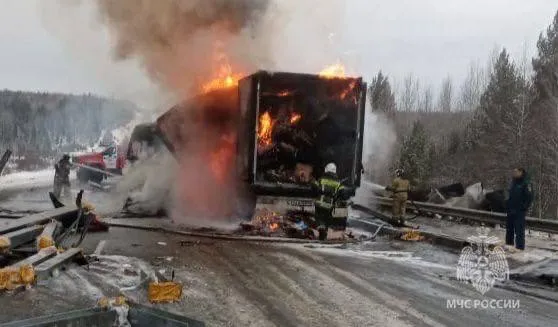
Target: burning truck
{"x":275,"y":133}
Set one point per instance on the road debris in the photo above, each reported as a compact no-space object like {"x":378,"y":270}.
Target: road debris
{"x":48,"y":268}
{"x":164,"y":292}
{"x":120,"y":306}
{"x":162,"y":243}
{"x":412,"y":235}
{"x":49,"y":233}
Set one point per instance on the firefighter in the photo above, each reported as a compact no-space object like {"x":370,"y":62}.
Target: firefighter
{"x":519,"y":201}
{"x":400,"y":188}
{"x":331,"y":193}
{"x":62,"y":177}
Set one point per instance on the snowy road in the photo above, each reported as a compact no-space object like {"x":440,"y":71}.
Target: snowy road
{"x":242,"y":284}
{"x":382,"y":283}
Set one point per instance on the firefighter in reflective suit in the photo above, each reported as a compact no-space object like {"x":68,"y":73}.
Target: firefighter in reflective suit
{"x":332,"y":195}
{"x":400,"y":189}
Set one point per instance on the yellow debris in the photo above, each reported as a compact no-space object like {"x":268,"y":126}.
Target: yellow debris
{"x":413,"y":235}
{"x":44,"y":241}
{"x":12,"y":277}
{"x":164,"y":292}
{"x":103,"y":302}
{"x":4,"y":278}
{"x":87,"y":207}
{"x":4,"y":243}
{"x":27,"y":274}
{"x":120,"y":301}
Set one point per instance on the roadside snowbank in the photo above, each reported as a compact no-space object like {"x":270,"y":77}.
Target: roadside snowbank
{"x":27,"y":179}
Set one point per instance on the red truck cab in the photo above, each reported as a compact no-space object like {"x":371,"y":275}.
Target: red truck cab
{"x":112,"y":159}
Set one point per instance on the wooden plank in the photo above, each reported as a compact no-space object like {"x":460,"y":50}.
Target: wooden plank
{"x":39,"y":218}
{"x":38,"y":258}
{"x":44,"y":270}
{"x":21,"y":236}
{"x":46,"y":239}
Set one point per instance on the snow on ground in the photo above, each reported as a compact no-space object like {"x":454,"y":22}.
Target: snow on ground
{"x":27,"y":179}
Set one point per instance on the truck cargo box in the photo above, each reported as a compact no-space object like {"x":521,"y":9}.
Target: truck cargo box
{"x":291,"y":125}
{"x":287,"y":126}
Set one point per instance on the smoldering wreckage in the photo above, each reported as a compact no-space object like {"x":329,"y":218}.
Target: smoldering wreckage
{"x":276,"y":133}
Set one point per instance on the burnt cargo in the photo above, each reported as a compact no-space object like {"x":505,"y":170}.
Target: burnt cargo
{"x":288,"y":126}
{"x":291,"y":125}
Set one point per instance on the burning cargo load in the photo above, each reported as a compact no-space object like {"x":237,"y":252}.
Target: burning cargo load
{"x":292,"y":125}
{"x":273,"y":132}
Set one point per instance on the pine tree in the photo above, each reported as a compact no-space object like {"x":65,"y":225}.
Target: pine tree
{"x":415,"y":157}
{"x":502,"y":118}
{"x":545,"y":110}
{"x":380,"y":94}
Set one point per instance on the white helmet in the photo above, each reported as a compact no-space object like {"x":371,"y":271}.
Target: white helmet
{"x":331,"y":168}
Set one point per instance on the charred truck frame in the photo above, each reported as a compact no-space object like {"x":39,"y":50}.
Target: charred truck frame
{"x":288,"y":127}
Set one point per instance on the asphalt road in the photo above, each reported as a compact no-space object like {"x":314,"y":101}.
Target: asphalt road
{"x":383,"y":283}
{"x":231,"y":283}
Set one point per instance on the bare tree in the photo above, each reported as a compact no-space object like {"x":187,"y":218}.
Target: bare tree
{"x":426,"y":101}
{"x":472,"y":87}
{"x":409,"y":97}
{"x":446,"y":95}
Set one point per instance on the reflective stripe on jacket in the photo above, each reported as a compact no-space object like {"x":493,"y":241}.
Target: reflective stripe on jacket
{"x":329,"y":189}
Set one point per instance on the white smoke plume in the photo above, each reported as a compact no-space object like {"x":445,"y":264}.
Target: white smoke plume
{"x":380,"y":139}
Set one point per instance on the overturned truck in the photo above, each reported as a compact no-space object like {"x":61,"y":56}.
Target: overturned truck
{"x":286,"y":128}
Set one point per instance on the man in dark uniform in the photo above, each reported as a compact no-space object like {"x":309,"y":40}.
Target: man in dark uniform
{"x":519,"y":201}
{"x":62,"y":177}
{"x":331,"y":194}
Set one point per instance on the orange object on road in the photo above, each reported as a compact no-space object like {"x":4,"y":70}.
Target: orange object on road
{"x":164,"y":292}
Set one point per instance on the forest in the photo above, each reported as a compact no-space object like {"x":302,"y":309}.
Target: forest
{"x":503,"y":115}
{"x":38,"y":127}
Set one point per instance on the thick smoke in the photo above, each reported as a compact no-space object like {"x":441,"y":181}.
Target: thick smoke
{"x":183,"y":44}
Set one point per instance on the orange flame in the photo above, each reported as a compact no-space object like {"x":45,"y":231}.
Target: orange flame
{"x":333,"y":71}
{"x":295,"y":118}
{"x":273,"y":227}
{"x":285,"y":93}
{"x":265,"y":128}
{"x":225,"y":79}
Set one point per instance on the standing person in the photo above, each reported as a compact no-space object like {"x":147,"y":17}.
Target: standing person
{"x":331,"y":192}
{"x":400,"y":188}
{"x":519,"y":201}
{"x":62,"y":177}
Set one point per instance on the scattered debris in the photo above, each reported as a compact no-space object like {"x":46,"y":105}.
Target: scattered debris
{"x":189,"y":243}
{"x":49,"y":267}
{"x":164,"y":292}
{"x":49,"y":233}
{"x":120,"y":306}
{"x":14,"y":277}
{"x":412,"y":235}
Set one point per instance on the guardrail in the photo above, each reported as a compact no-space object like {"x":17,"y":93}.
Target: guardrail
{"x":542,"y":225}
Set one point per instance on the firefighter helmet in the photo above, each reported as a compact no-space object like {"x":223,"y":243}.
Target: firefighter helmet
{"x":330,"y":168}
{"x":399,"y":172}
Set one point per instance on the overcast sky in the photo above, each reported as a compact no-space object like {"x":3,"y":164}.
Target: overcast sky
{"x":431,"y":38}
